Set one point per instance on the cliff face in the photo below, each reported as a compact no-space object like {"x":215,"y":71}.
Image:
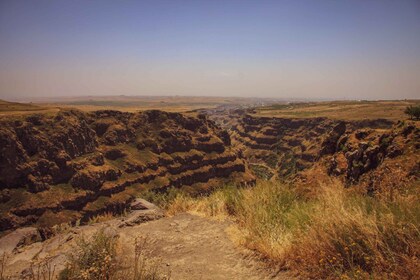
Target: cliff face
{"x":74,"y":165}
{"x":369,"y":153}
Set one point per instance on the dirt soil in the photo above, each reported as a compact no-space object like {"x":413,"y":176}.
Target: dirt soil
{"x":189,"y":246}
{"x":199,"y":248}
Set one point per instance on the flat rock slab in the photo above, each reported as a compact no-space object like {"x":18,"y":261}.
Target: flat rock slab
{"x":194,"y":247}
{"x":142,"y":204}
{"x":189,"y":246}
{"x":17,"y":238}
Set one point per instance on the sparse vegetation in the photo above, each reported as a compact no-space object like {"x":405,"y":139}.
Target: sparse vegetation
{"x":39,"y":270}
{"x":94,"y":258}
{"x":347,"y":110}
{"x":162,"y":199}
{"x":3,"y":264}
{"x":102,"y":218}
{"x":99,"y":257}
{"x":338,"y":234}
{"x":261,"y":171}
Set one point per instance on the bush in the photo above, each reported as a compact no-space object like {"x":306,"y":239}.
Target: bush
{"x":93,"y":258}
{"x":413,"y":112}
{"x":97,"y":258}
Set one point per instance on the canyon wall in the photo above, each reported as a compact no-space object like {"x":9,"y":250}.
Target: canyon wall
{"x":70,"y":166}
{"x":306,"y":151}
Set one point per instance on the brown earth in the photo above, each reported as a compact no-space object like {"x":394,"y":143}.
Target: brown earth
{"x":188,"y":246}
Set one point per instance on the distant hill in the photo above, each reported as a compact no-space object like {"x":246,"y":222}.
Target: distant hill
{"x":6,"y":106}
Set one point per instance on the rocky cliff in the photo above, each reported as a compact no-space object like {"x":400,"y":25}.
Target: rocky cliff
{"x":70,"y":166}
{"x":369,"y":153}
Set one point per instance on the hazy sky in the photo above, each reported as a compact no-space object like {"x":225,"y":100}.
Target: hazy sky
{"x":287,"y":49}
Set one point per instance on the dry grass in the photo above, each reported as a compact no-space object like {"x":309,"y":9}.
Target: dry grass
{"x":100,"y":257}
{"x":39,"y":270}
{"x":107,"y":216}
{"x":3,"y":265}
{"x":352,"y":236}
{"x":6,"y":106}
{"x":339,"y":234}
{"x":347,"y":110}
{"x":141,"y":103}
{"x":121,"y":103}
{"x":210,"y":206}
{"x":14,"y":109}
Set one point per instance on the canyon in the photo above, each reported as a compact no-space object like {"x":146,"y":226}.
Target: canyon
{"x":72,"y":165}
{"x":66,"y":169}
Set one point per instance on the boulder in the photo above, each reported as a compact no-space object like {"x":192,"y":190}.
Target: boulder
{"x":88,"y":180}
{"x":114,"y":154}
{"x":117,"y":133}
{"x":19,"y":238}
{"x":112,"y":174}
{"x":142,"y":211}
{"x":142,"y":204}
{"x":97,"y":160}
{"x":35,"y":184}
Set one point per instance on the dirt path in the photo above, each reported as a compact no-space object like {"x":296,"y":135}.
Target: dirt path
{"x":199,"y":248}
{"x":189,"y":246}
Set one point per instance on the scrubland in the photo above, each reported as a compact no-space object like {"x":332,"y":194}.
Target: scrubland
{"x":343,"y":110}
{"x":337,"y":234}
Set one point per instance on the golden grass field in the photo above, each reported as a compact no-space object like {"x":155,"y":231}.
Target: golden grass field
{"x":120,"y":103}
{"x":141,"y":103}
{"x":349,"y":110}
{"x":17,"y":108}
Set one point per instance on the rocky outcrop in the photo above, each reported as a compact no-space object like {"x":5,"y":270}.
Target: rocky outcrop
{"x":19,"y":238}
{"x":285,"y":146}
{"x":365,"y":150}
{"x":310,"y":149}
{"x":114,"y":154}
{"x":73,"y":165}
{"x":35,"y":153}
{"x":329,"y":145}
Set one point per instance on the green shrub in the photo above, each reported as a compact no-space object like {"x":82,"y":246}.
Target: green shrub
{"x":413,"y":112}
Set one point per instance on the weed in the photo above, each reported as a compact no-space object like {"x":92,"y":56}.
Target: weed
{"x":3,"y":265}
{"x":43,"y":270}
{"x":99,"y":258}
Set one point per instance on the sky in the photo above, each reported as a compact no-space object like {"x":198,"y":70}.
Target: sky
{"x":334,"y":49}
